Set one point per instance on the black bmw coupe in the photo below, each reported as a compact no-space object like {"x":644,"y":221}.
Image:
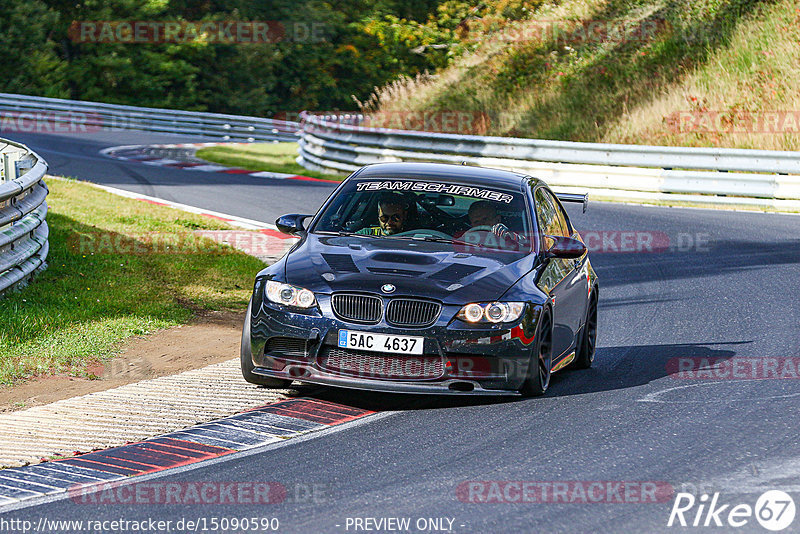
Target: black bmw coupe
{"x":426,"y":278}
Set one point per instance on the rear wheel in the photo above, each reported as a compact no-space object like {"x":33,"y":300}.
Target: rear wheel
{"x":538,"y":378}
{"x":585,"y":355}
{"x":246,"y":360}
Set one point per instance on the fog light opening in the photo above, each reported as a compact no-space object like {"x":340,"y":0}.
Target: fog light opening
{"x":462,"y":386}
{"x":298,"y":372}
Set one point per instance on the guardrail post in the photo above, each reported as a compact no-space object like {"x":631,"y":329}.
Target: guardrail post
{"x":8,"y":166}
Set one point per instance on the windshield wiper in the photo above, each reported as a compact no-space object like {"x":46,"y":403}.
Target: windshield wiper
{"x":433,"y":239}
{"x":341,"y":233}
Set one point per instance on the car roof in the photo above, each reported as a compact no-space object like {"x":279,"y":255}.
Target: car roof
{"x":465,"y":174}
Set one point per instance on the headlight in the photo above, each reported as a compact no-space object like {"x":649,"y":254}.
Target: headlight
{"x":289,"y":295}
{"x":494,"y":312}
{"x":471,"y":313}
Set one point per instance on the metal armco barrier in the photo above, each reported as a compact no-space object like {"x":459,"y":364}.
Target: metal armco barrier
{"x":24,"y":113}
{"x":23,"y":229}
{"x":759,"y":178}
{"x":331,"y":143}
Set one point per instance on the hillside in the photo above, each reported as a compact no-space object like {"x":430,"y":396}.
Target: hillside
{"x":682,"y":72}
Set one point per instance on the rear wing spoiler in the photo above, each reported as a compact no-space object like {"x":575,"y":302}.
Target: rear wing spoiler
{"x":574,"y":197}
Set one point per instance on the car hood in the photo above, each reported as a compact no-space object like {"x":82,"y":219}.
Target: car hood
{"x":441,"y":271}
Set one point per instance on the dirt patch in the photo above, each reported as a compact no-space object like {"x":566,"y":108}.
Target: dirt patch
{"x":211,"y":337}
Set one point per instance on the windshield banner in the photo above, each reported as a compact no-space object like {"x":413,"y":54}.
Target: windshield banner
{"x":432,"y":187}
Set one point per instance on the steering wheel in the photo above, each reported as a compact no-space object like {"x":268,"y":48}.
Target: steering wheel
{"x":432,"y":233}
{"x":458,"y":225}
{"x":476,"y":229}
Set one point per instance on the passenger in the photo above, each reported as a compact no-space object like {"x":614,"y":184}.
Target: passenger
{"x":483,"y":214}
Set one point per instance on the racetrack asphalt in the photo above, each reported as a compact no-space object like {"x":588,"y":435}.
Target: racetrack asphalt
{"x":724,"y":288}
{"x":78,"y":156}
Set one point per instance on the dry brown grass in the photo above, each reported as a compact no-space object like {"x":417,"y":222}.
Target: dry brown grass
{"x":726,"y":57}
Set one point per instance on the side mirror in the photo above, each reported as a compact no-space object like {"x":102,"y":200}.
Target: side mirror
{"x":291,"y":224}
{"x":564,"y":247}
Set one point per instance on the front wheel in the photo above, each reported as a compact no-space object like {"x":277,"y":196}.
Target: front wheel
{"x":246,"y":360}
{"x":538,"y":378}
{"x":585,"y":355}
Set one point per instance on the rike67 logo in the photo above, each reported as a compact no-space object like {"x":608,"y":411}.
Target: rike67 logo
{"x":774,"y":510}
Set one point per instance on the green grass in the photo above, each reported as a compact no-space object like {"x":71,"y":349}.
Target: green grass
{"x":104,"y":284}
{"x":272,"y":157}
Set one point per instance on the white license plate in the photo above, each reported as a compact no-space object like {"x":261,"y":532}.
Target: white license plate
{"x":349,"y":339}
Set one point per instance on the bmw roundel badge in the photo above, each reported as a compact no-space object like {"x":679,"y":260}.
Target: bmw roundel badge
{"x":388,"y":288}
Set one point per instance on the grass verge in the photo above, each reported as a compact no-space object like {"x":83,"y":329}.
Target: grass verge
{"x":271,"y":157}
{"x":117,"y":268}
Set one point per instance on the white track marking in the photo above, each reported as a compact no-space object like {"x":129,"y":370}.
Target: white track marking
{"x":234,"y":220}
{"x":654,"y":397}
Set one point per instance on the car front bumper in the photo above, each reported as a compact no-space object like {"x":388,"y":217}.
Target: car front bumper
{"x":480,"y":359}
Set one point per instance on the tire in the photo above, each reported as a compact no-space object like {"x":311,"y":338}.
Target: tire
{"x":538,"y":378}
{"x":246,"y":360}
{"x":585,"y":354}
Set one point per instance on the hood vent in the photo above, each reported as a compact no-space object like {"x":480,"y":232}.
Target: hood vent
{"x":394,"y":271}
{"x":408,"y":259}
{"x":340,"y":263}
{"x":455,"y":272}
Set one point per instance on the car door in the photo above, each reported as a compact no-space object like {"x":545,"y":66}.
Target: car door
{"x":577,"y":279}
{"x":562,"y":279}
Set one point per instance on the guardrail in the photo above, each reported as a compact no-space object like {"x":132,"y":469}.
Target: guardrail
{"x":40,"y":114}
{"x":710,"y":176}
{"x":23,"y":229}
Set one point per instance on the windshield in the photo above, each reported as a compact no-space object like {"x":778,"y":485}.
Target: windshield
{"x":477,"y":216}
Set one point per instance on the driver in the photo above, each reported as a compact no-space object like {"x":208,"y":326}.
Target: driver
{"x":392,"y":216}
{"x":483,"y":213}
